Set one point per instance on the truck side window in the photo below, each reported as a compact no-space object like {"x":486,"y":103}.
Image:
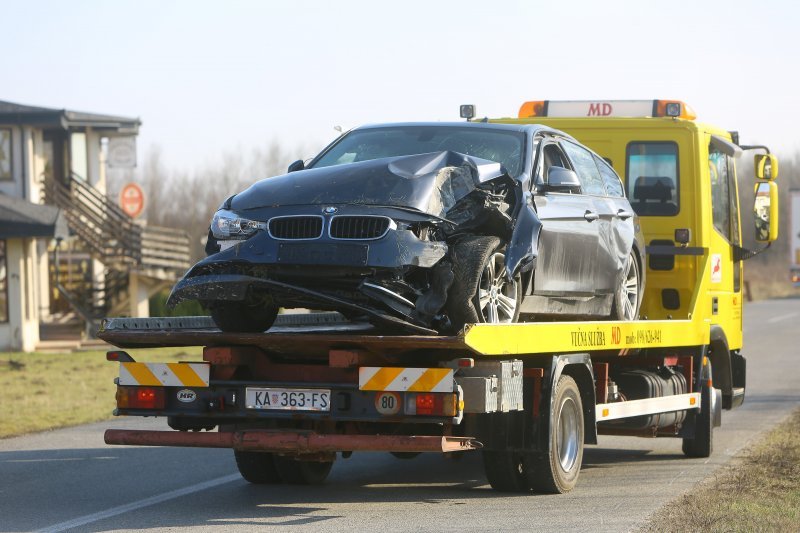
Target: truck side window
{"x":612,"y":182}
{"x":586,"y":168}
{"x":651,"y":177}
{"x":723,"y":195}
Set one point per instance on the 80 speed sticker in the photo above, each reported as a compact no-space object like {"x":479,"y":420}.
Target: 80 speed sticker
{"x":388,"y":403}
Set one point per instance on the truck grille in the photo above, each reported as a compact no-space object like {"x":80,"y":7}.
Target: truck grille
{"x":359,"y":227}
{"x":296,"y":227}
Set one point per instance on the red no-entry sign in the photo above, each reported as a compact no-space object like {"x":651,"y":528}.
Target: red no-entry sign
{"x":131,"y":200}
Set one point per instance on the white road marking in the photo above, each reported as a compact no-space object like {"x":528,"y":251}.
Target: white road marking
{"x":153,"y":500}
{"x":779,"y":318}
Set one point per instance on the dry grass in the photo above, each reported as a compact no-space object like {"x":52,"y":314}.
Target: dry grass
{"x":760,"y":491}
{"x":47,"y":391}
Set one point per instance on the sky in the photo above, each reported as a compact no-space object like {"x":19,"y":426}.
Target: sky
{"x":208,"y":78}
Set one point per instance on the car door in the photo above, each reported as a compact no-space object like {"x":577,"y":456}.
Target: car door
{"x":569,"y":236}
{"x":617,"y":230}
{"x":606,"y":267}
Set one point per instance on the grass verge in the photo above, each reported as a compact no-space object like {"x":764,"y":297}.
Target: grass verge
{"x":47,"y":391}
{"x":759,"y":491}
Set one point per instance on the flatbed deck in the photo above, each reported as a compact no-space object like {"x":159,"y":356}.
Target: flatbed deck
{"x":316,"y":335}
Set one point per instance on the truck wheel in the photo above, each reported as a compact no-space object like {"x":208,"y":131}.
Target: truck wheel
{"x":703,"y":442}
{"x":481,"y":292}
{"x":296,"y":472}
{"x":244,"y":317}
{"x":627,"y":297}
{"x":507,"y":471}
{"x":257,"y":467}
{"x":557,"y":470}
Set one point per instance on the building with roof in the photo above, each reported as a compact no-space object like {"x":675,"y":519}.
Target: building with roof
{"x":67,"y":250}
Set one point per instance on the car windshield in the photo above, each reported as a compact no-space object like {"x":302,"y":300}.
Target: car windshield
{"x":505,"y":147}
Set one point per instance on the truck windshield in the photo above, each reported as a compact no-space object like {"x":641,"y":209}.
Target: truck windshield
{"x":505,"y":147}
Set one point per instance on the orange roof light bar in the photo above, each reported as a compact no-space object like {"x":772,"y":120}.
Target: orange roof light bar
{"x":606,"y":108}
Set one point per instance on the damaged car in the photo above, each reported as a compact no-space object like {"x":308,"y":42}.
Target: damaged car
{"x":425,"y":227}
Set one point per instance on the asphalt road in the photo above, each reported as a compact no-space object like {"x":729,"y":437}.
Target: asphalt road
{"x":70,"y":480}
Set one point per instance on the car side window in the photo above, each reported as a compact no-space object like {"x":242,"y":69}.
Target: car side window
{"x":610,"y":178}
{"x":552,"y":156}
{"x":586,"y":168}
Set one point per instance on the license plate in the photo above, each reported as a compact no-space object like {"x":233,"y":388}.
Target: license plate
{"x":288,"y":399}
{"x":323,"y":254}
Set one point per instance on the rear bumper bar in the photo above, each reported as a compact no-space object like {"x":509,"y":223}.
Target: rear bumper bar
{"x":291,"y":442}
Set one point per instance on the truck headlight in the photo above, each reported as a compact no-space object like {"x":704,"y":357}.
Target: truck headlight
{"x":228,"y":225}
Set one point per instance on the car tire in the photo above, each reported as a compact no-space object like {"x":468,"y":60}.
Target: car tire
{"x":507,"y":471}
{"x":257,"y":467}
{"x":481,"y":292}
{"x":628,"y":296}
{"x":556,"y":471}
{"x":702,"y":444}
{"x":296,"y":472}
{"x":243,"y":317}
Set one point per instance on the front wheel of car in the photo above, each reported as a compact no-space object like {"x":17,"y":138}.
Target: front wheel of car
{"x":627,"y":297}
{"x":244,"y":317}
{"x":481,"y":290}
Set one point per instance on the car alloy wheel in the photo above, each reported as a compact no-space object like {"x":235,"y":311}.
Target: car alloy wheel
{"x":497,"y":296}
{"x":630,"y":290}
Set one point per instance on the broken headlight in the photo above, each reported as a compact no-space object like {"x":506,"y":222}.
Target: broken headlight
{"x":228,"y":225}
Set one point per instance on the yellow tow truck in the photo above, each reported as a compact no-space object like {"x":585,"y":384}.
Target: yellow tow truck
{"x":529,"y":396}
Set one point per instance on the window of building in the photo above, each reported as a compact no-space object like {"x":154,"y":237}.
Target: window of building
{"x":79,"y":161}
{"x":585,"y":167}
{"x":651,"y":175}
{"x":3,"y":283}
{"x":5,"y":154}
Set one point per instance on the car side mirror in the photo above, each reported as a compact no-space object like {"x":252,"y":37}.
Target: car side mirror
{"x":765,"y":211}
{"x":297,"y":165}
{"x":562,"y":180}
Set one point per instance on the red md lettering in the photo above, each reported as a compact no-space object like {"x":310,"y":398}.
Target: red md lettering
{"x":616,"y":335}
{"x":598,"y":109}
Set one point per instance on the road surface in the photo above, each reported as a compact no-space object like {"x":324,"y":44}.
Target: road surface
{"x":69,"y":480}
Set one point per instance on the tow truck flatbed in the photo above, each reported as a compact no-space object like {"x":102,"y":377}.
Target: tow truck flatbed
{"x":316,"y":336}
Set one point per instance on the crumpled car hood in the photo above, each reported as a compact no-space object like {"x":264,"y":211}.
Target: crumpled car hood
{"x":431,"y":183}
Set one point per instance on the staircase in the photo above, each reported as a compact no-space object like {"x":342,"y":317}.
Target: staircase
{"x":105,"y":233}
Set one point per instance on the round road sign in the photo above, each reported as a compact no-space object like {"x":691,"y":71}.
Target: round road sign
{"x":131,"y":200}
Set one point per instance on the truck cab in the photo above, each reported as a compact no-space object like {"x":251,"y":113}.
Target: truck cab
{"x":680,"y":177}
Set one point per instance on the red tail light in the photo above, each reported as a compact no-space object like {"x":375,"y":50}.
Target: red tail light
{"x":141,"y":398}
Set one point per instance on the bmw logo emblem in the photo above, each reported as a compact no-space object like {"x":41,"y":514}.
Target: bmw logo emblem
{"x":330,"y":210}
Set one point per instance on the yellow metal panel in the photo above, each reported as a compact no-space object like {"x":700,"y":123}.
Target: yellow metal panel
{"x":186,"y":374}
{"x":382,"y":378}
{"x":429,"y":379}
{"x":142,"y":374}
{"x":565,"y":337}
{"x":405,"y":379}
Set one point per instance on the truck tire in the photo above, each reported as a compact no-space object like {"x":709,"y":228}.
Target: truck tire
{"x":257,"y":467}
{"x":507,"y":471}
{"x":556,"y":471}
{"x":703,"y":442}
{"x":628,"y":296}
{"x":243,"y":317}
{"x":296,"y":472}
{"x":481,"y":292}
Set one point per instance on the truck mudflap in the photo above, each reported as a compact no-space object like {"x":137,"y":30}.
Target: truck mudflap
{"x":292,"y":442}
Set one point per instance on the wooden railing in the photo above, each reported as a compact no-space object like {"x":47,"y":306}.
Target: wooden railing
{"x":116,"y":240}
